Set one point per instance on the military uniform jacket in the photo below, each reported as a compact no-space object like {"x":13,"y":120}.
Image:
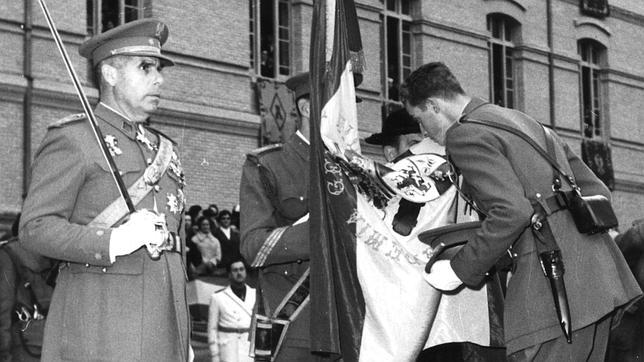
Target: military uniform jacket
{"x":134,"y":309}
{"x":228,"y":311}
{"x":273,"y":196}
{"x":491,"y":160}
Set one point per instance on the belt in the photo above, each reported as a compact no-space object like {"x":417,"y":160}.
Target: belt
{"x":233,"y":330}
{"x":558,"y":201}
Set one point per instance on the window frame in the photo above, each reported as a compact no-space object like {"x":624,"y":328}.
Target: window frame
{"x":508,"y":30}
{"x":97,"y":14}
{"x":401,"y":18}
{"x":255,"y":41}
{"x":595,"y":54}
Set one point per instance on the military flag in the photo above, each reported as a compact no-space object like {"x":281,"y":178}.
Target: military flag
{"x":337,"y":306}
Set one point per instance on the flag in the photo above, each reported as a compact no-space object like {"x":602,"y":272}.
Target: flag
{"x":337,"y":305}
{"x":369,"y":300}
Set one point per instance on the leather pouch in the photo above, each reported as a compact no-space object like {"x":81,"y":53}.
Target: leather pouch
{"x":592,"y":214}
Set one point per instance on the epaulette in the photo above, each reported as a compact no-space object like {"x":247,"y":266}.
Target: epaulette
{"x":161,"y":134}
{"x":67,"y":120}
{"x":255,"y":155}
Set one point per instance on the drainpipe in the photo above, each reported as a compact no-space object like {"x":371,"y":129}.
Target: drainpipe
{"x":551,"y":65}
{"x":28,"y":97}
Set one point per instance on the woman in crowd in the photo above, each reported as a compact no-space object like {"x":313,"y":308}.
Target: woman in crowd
{"x":208,"y":246}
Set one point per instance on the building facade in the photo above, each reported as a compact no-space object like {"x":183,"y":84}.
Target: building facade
{"x":576,"y":65}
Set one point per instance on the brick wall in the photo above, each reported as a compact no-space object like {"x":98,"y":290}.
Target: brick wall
{"x":211,"y":97}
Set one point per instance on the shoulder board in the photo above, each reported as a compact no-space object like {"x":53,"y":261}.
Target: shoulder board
{"x":161,"y":134}
{"x":67,"y":120}
{"x":220,"y":290}
{"x":255,"y":155}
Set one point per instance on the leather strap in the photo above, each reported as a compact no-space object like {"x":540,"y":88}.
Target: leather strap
{"x":295,"y":300}
{"x":539,"y":149}
{"x":118,"y":209}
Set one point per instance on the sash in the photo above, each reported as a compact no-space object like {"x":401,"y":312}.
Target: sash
{"x":118,"y":209}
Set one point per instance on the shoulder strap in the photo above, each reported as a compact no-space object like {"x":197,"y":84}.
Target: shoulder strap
{"x":531,"y":142}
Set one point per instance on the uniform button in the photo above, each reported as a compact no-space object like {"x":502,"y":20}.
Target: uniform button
{"x":104,"y":270}
{"x":100,"y":232}
{"x":157,"y":188}
{"x":285,"y":272}
{"x":121,"y":173}
{"x":538,"y":195}
{"x":98,"y":256}
{"x":301,"y":198}
{"x":299,"y":261}
{"x":149,"y":161}
{"x":87,"y":265}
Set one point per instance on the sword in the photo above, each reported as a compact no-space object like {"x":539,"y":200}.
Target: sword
{"x":152,"y":250}
{"x":88,"y":110}
{"x":553,"y":269}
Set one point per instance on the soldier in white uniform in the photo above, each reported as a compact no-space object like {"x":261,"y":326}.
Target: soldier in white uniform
{"x":230,"y":315}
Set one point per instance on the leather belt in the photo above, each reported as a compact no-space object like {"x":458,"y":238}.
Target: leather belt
{"x":558,"y":201}
{"x":232,"y":330}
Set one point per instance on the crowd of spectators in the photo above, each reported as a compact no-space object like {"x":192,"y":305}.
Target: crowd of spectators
{"x":212,"y":239}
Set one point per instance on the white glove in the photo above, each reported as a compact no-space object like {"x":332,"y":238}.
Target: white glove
{"x":442,"y":276}
{"x":140,"y":229}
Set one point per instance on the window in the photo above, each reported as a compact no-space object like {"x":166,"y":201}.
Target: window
{"x":590,"y":54}
{"x":397,"y":41}
{"x":270,"y":30}
{"x":501,"y":47}
{"x":103,"y":15}
{"x":595,"y":8}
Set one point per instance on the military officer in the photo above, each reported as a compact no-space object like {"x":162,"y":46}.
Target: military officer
{"x":112,"y":301}
{"x":506,"y":178}
{"x":229,"y":318}
{"x":274,"y":220}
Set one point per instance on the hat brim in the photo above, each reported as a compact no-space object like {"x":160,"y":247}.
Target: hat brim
{"x":165,"y":60}
{"x":378,"y":139}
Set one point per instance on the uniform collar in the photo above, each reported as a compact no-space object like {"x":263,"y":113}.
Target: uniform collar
{"x":299,"y":146}
{"x":116,"y":120}
{"x":299,"y":134}
{"x":474,"y":103}
{"x":245,"y":304}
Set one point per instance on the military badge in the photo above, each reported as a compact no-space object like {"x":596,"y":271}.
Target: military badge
{"x":181,"y":197}
{"x":112,"y":145}
{"x":144,"y":140}
{"x":175,"y":168}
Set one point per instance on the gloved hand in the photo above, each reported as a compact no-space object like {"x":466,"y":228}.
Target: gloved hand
{"x":140,"y":229}
{"x":442,"y":276}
